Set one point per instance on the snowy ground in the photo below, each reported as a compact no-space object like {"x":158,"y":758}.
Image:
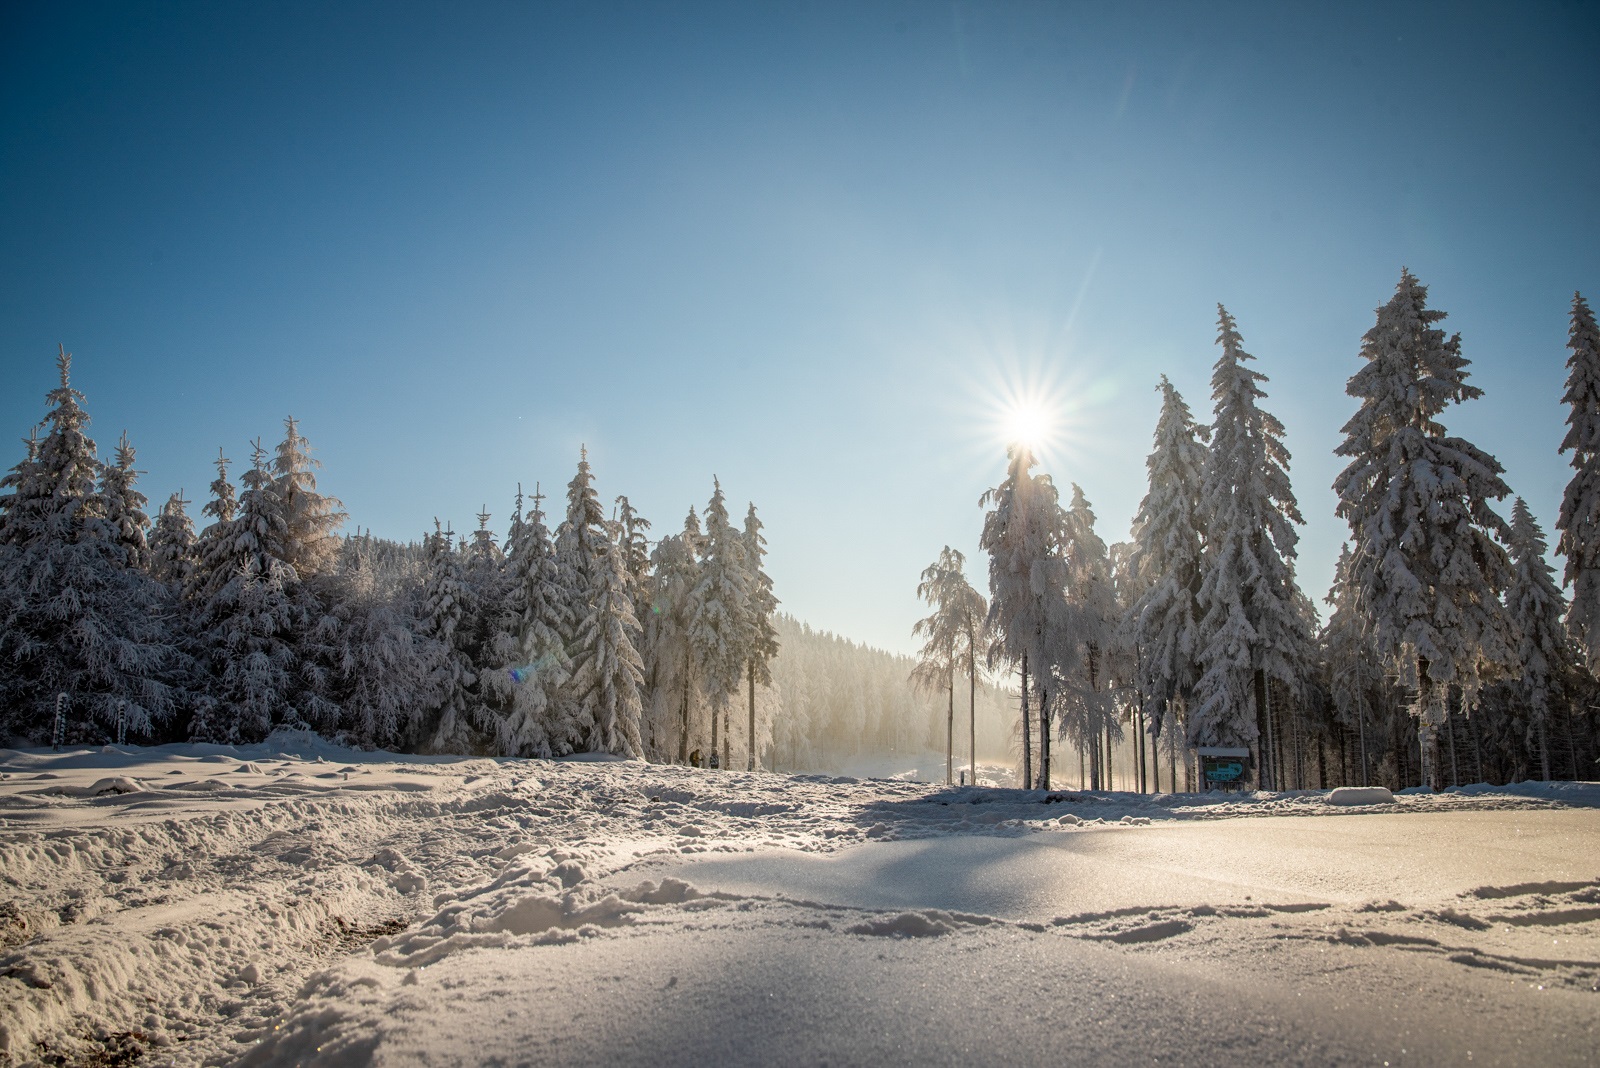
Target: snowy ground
{"x":294,"y":903}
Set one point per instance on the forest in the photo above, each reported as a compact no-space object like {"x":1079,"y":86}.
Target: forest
{"x":1449,"y":654}
{"x":586,"y":638}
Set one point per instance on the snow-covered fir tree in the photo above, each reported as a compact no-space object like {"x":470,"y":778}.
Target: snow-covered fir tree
{"x":1426,"y":568}
{"x":538,"y":669}
{"x":761,"y":636}
{"x":75,"y":618}
{"x":213,"y":566}
{"x":1543,"y":664}
{"x":672,"y":683}
{"x":444,"y":610}
{"x":719,"y":615}
{"x":384,"y":668}
{"x":606,"y":672}
{"x":249,"y":623}
{"x":1082,"y":680}
{"x":1022,"y":533}
{"x":1165,"y":563}
{"x":124,"y":507}
{"x":951,"y":635}
{"x":172,"y":545}
{"x":310,"y":518}
{"x":1254,"y":626}
{"x":1579,"y":521}
{"x":582,"y":540}
{"x":1354,"y":668}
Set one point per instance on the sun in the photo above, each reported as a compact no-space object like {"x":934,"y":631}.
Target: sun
{"x":1028,"y":424}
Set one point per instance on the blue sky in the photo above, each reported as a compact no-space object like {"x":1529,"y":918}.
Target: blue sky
{"x":807,"y":247}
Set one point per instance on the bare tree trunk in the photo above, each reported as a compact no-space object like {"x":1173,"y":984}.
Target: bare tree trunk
{"x":972,"y":723}
{"x":1027,"y":745}
{"x":1572,"y":748}
{"x":950,"y":732}
{"x":1544,"y":751}
{"x":750,"y":762}
{"x":683,"y":738}
{"x":1044,"y":738}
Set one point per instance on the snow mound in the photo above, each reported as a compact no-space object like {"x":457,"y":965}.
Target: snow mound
{"x":925,"y":924}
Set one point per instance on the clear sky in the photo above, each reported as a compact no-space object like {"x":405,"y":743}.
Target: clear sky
{"x":808,"y":247}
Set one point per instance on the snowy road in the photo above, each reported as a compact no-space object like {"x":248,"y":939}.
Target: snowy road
{"x":298,"y":904}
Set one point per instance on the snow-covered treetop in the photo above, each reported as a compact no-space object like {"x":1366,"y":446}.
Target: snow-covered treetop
{"x":124,"y":507}
{"x":310,"y":518}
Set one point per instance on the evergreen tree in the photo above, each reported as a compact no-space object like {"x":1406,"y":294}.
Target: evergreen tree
{"x":539,"y":668}
{"x":1544,"y":667}
{"x":75,"y":619}
{"x":1022,"y":533}
{"x":1082,"y":638}
{"x":310,"y":518}
{"x":213,"y":566}
{"x":172,"y":545}
{"x":444,"y":610}
{"x":951,"y":636}
{"x":1165,"y":564}
{"x":582,"y":541}
{"x":761,"y":636}
{"x":1426,"y":570}
{"x":607,"y":673}
{"x":673,"y":684}
{"x":719,"y":617}
{"x":124,"y":507}
{"x":384,"y":669}
{"x":249,"y":622}
{"x":1253,"y":627}
{"x":1354,"y":669}
{"x":1579,"y":521}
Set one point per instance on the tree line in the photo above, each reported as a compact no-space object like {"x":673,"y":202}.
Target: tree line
{"x":1449,"y":654}
{"x":588,"y":638}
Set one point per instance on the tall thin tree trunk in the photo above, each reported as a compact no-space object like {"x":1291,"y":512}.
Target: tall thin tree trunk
{"x":1455,"y":766}
{"x":1544,"y":751}
{"x":950,"y":732}
{"x":972,"y":720}
{"x":1027,"y":745}
{"x":1044,"y":738}
{"x":1477,"y":749}
{"x":750,"y":762}
{"x":1572,"y":748}
{"x":683,"y":737}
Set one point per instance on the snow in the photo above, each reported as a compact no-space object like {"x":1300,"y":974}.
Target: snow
{"x":293,"y":902}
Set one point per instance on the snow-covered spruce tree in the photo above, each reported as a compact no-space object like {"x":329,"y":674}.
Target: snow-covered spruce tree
{"x":310,"y":518}
{"x":607,"y":674}
{"x":951,"y":636}
{"x":75,"y":619}
{"x":1163,"y":623}
{"x":444,"y":611}
{"x":673,"y":686}
{"x":172,"y":545}
{"x":1354,"y":669}
{"x":125,"y":507}
{"x":1022,"y":533}
{"x":719,"y":615}
{"x":1579,"y":521}
{"x":1087,"y":630}
{"x":582,"y":541}
{"x":538,"y":669}
{"x":939,"y":631}
{"x":761,"y":636}
{"x":1426,"y":567}
{"x":487,"y":587}
{"x":1543,"y":668}
{"x":213,"y":566}
{"x":1253,"y":627}
{"x":248,"y":625}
